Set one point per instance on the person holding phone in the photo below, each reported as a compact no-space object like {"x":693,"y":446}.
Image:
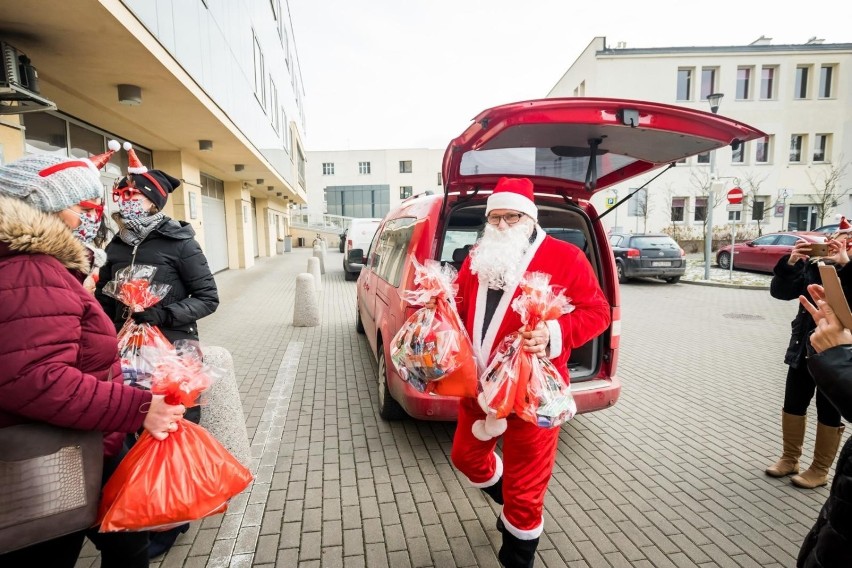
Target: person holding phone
{"x":791,"y":277}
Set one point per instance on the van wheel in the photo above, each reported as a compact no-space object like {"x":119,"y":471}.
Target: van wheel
{"x":619,"y":269}
{"x":389,"y":409}
{"x":359,"y":325}
{"x":673,"y":279}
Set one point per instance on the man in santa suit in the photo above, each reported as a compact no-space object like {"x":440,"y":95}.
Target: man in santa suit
{"x":513,"y":243}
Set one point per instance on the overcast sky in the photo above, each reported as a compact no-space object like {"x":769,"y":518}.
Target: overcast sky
{"x":413,"y":73}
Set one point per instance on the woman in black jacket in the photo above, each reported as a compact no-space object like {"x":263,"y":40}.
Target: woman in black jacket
{"x":147,"y":237}
{"x":792,"y":275}
{"x":829,"y":542}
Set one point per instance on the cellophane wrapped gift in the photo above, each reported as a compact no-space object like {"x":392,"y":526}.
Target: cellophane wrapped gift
{"x":139,"y":344}
{"x":527,"y":384}
{"x":161,"y":484}
{"x":432,"y":350}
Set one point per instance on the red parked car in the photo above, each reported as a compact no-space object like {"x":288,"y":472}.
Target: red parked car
{"x":763,"y":253}
{"x":570,"y":148}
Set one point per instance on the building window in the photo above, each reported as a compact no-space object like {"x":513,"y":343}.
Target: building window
{"x":744,"y":83}
{"x":678,"y":205}
{"x":703,"y":158}
{"x":764,"y":150}
{"x":797,"y":141}
{"x":738,"y":154}
{"x":286,"y":128}
{"x":405,"y":166}
{"x":708,"y":82}
{"x":440,"y":180}
{"x":684,"y":84}
{"x":767,"y":83}
{"x":405,"y":191}
{"x":826,"y":72}
{"x":734,"y":215}
{"x":328,"y":168}
{"x":274,"y":118}
{"x":821,"y":142}
{"x":700,"y":209}
{"x":759,"y":208}
{"x":363,"y":167}
{"x":259,"y":74}
{"x":802,"y":74}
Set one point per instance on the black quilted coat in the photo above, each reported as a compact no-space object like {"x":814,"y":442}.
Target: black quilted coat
{"x":172,"y":248}
{"x":829,"y":543}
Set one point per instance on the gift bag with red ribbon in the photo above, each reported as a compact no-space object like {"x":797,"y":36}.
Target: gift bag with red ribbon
{"x":139,"y":344}
{"x":161,"y":484}
{"x":432,"y":350}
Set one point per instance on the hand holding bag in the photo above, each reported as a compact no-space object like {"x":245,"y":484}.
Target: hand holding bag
{"x":50,"y":483}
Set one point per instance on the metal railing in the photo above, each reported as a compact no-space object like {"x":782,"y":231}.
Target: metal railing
{"x":319,"y":222}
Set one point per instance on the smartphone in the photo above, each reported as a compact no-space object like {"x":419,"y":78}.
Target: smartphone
{"x":819,"y":249}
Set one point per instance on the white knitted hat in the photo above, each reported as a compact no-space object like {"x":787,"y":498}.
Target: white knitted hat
{"x":51,"y":183}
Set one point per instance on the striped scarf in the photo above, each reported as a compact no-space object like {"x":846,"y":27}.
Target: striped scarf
{"x":134,"y":231}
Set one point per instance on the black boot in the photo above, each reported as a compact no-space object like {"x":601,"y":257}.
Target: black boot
{"x":515,"y":552}
{"x":495,"y":491}
{"x":161,"y":541}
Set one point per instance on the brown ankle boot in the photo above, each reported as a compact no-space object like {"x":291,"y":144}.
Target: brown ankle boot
{"x":825,"y":449}
{"x":793,"y":433}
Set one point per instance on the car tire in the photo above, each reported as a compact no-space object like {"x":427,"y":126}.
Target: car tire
{"x":724,"y":260}
{"x":672,"y":279}
{"x":619,"y":269}
{"x":359,"y":325}
{"x":389,"y":409}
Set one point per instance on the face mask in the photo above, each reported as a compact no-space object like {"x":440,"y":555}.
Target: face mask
{"x":87,"y":230}
{"x":131,"y":210}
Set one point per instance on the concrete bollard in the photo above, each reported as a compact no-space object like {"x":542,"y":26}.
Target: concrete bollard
{"x":306,"y":307}
{"x":321,"y":256}
{"x":314,"y":270}
{"x":222,"y":415}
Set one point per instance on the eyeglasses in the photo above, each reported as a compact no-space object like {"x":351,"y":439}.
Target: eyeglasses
{"x":124,"y":194}
{"x":510,"y":218}
{"x":91,"y":206}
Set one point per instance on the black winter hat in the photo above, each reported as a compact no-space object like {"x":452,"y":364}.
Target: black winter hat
{"x":156,"y":185}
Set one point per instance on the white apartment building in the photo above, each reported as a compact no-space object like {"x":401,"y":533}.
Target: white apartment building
{"x":210,"y":92}
{"x":368,"y":183}
{"x":799,"y":176}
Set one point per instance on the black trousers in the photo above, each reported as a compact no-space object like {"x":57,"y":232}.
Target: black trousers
{"x":799,"y":391}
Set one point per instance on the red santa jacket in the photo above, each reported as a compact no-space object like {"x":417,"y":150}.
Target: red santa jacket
{"x":58,"y":351}
{"x":570,"y":269}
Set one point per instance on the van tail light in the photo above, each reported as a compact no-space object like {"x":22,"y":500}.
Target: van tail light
{"x":682,"y":253}
{"x":633,"y":253}
{"x":615,"y":329}
{"x":349,"y":244}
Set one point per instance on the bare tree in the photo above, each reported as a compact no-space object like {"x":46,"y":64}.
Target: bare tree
{"x":826,"y":183}
{"x":703,"y":183}
{"x":751,"y":186}
{"x":640,"y":207}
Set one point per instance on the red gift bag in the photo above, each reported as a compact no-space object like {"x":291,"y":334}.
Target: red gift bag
{"x":161,"y":484}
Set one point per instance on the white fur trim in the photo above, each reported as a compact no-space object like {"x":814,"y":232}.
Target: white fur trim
{"x":482,"y":346}
{"x":114,"y":145}
{"x":478,"y":431}
{"x":498,"y":473}
{"x":495,"y":426}
{"x":513,"y":201}
{"x":530,"y":534}
{"x":555,"y":348}
{"x":141,"y":170}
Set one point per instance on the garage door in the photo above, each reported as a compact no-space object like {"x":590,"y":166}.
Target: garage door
{"x":215,"y":229}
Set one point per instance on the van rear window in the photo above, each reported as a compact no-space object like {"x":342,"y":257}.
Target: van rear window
{"x":539,"y":162}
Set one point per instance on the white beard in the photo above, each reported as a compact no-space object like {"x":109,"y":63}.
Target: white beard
{"x":496,"y":259}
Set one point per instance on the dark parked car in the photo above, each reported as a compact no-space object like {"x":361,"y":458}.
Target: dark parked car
{"x":828,"y":229}
{"x":763,"y":253}
{"x":647,"y":256}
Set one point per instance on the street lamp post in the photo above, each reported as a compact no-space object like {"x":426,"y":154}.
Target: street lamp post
{"x":714,"y":99}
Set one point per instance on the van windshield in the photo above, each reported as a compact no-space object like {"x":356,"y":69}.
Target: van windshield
{"x":539,"y":162}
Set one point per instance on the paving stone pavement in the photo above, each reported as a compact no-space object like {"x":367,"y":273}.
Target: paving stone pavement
{"x":671,"y":476}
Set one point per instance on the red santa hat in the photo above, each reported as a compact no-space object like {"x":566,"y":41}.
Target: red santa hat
{"x":843,"y":226}
{"x":134,"y":165}
{"x":100,"y":160}
{"x":515,"y":194}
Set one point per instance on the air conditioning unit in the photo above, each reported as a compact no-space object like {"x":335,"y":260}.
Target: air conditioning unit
{"x":19,"y":92}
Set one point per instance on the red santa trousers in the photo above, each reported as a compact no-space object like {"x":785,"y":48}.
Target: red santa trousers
{"x":529,"y":453}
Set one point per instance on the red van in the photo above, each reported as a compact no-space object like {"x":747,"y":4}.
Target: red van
{"x":570,"y":148}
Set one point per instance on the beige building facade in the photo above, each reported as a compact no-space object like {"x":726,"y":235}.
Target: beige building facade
{"x":209,"y":92}
{"x":798,"y":178}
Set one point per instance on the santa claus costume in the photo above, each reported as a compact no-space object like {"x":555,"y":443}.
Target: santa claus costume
{"x":519,"y":480}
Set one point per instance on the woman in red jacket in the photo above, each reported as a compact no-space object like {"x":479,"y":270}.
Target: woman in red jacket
{"x":58,"y":351}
